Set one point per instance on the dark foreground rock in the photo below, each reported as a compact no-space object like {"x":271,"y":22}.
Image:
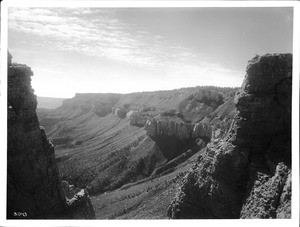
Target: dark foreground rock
{"x":34,"y":189}
{"x":247,"y":174}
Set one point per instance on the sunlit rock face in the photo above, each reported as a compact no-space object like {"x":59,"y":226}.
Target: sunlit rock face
{"x":247,"y":173}
{"x":169,"y":127}
{"x":170,"y":133}
{"x":34,"y":189}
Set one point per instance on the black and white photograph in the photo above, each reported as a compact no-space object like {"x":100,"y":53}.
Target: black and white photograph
{"x":150,"y":113}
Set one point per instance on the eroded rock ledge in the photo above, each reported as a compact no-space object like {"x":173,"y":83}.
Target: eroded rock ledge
{"x":247,"y":174}
{"x":34,"y":189}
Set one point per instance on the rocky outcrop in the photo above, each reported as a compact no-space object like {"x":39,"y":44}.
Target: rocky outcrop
{"x":284,"y":206}
{"x":246,"y":174}
{"x":265,"y":106}
{"x":265,"y":194}
{"x":137,"y":119}
{"x":201,"y":130}
{"x":170,"y":127}
{"x":171,"y":134}
{"x":33,"y":185}
{"x":78,"y":202}
{"x":215,"y":123}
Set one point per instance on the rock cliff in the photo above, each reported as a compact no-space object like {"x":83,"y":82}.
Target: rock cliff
{"x":173,"y":126}
{"x":247,"y":173}
{"x":34,"y":189}
{"x":172,"y":131}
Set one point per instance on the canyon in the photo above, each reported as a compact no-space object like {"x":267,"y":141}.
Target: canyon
{"x":201,"y":152}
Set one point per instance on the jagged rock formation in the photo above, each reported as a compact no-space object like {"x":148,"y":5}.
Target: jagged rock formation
{"x":246,"y":172}
{"x":31,"y":166}
{"x":265,"y":106}
{"x":33,"y":186}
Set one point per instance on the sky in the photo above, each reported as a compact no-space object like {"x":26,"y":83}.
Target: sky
{"x":124,"y":50}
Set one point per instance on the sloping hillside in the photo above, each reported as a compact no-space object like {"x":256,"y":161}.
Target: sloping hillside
{"x":145,"y":199}
{"x":99,"y":146}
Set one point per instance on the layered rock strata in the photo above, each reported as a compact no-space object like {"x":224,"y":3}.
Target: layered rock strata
{"x":173,"y":133}
{"x":247,"y":174}
{"x":34,"y":189}
{"x":169,"y":127}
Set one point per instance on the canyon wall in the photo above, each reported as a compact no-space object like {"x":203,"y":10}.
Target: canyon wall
{"x":247,"y":174}
{"x":34,"y":189}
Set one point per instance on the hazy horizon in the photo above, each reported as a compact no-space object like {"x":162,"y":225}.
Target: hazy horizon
{"x":126,"y":50}
{"x":129,"y":92}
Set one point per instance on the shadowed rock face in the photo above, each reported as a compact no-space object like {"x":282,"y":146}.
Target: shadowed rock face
{"x":33,"y":185}
{"x":265,"y":106}
{"x":247,"y":174}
